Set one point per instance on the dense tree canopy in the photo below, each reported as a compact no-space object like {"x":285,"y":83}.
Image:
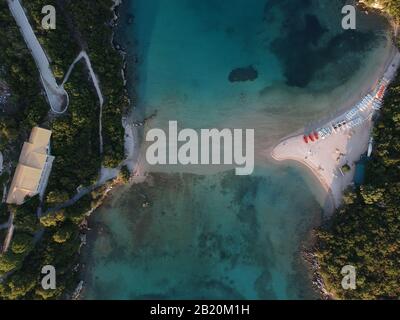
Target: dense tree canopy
{"x":21,"y":243}
{"x":85,"y":25}
{"x":365,"y":232}
{"x":390,"y":6}
{"x":54,"y":238}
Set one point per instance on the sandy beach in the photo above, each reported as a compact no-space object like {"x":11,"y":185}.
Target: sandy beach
{"x":326,"y":157}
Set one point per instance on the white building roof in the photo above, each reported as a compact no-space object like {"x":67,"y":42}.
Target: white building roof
{"x":32,"y":162}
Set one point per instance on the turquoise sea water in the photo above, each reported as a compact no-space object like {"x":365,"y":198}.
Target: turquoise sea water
{"x":217,"y":235}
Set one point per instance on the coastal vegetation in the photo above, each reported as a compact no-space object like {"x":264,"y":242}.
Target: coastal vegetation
{"x":87,"y":25}
{"x":27,"y":105}
{"x":55,"y":237}
{"x":58,"y":43}
{"x":108,"y":64}
{"x":75,"y":139}
{"x":51,"y":240}
{"x":392,"y":7}
{"x":124,"y":174}
{"x":365,"y":231}
{"x":26,"y":108}
{"x":26,"y":224}
{"x":346,"y":168}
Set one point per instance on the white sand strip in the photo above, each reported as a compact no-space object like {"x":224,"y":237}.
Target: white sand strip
{"x":325,"y":158}
{"x":130,"y":143}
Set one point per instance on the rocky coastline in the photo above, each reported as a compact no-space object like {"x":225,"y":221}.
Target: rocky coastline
{"x":115,"y":182}
{"x":308,"y":255}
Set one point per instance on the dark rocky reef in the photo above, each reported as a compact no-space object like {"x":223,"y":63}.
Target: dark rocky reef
{"x":243,"y":74}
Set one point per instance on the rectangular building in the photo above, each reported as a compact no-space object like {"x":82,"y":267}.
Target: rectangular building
{"x":33,"y":169}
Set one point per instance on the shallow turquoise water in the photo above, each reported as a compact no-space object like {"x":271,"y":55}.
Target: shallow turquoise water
{"x":211,"y":237}
{"x":219,"y":235}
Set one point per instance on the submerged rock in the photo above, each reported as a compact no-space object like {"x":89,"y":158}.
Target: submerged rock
{"x":243,"y":74}
{"x":130,"y":19}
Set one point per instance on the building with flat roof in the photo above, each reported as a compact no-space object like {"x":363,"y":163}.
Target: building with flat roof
{"x":33,"y":169}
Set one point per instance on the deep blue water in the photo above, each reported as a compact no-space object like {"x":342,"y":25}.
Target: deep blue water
{"x":217,"y":235}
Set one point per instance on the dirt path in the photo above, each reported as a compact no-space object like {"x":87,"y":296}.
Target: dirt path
{"x":84,"y":55}
{"x":56,"y":95}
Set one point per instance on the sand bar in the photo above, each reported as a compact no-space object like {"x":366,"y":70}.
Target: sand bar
{"x":326,"y":157}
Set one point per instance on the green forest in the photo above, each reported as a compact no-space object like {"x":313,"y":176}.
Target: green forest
{"x":86,"y":25}
{"x":365,"y":231}
{"x":392,"y":7}
{"x":55,"y":238}
{"x":52,"y":240}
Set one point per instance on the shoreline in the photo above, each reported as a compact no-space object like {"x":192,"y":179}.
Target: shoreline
{"x":351,"y":146}
{"x":131,"y":145}
{"x":366,"y":87}
{"x":330,"y":205}
{"x":97,"y":185}
{"x":108,"y":178}
{"x":348,"y":144}
{"x":132,"y":148}
{"x":308,"y":250}
{"x":88,"y":237}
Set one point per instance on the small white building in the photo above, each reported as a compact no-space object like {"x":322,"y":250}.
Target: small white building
{"x":33,"y":170}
